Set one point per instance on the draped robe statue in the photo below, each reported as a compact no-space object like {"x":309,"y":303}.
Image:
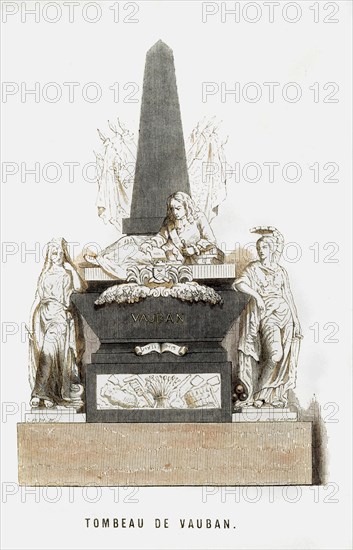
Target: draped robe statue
{"x":54,"y":347}
{"x":270,"y":332}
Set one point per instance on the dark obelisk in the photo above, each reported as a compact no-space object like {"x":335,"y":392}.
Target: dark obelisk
{"x":161,"y":161}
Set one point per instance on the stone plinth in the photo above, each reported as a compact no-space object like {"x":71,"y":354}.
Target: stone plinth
{"x":55,"y":414}
{"x":264,"y":414}
{"x":265,"y":453}
{"x":161,"y":319}
{"x":194,"y":387}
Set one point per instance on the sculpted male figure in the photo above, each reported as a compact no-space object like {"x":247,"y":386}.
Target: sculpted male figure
{"x":184,"y":236}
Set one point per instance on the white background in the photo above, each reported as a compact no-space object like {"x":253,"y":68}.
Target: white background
{"x":306,"y":212}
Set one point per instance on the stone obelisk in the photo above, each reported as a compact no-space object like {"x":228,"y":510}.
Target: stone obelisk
{"x":161,"y":160}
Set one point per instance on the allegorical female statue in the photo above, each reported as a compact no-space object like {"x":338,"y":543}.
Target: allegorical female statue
{"x":54,"y":351}
{"x":269,"y":327}
{"x":185,"y":235}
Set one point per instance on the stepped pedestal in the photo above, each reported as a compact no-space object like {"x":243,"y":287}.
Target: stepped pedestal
{"x":54,"y":415}
{"x":264,"y":453}
{"x":191,"y":386}
{"x":264,"y":414}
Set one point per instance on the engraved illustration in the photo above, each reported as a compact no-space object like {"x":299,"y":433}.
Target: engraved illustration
{"x":179,"y":340}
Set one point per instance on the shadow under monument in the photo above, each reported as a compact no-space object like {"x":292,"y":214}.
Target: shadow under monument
{"x":313,"y":414}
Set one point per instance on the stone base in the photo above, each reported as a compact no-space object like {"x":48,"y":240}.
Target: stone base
{"x":125,"y":386}
{"x":264,"y":414}
{"x":55,"y":414}
{"x":265,"y":453}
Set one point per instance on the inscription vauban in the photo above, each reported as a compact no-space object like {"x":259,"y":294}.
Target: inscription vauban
{"x":157,"y":318}
{"x":164,"y":523}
